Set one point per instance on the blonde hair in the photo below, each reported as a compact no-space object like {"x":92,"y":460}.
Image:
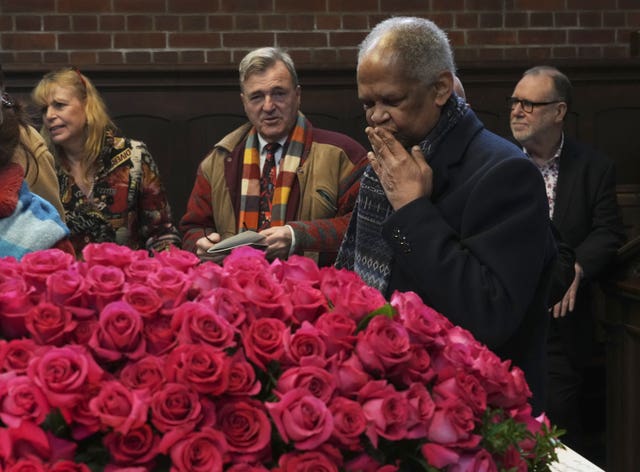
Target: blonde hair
{"x":98,"y":120}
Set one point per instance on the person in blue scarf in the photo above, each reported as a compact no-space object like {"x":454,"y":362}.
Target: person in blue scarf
{"x":446,"y":208}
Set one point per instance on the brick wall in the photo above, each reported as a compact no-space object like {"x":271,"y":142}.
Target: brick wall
{"x":41,"y":34}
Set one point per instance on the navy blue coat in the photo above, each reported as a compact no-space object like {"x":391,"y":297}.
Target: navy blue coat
{"x":480,"y":250}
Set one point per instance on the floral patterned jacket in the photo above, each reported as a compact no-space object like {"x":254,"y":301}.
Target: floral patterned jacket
{"x":127,"y":203}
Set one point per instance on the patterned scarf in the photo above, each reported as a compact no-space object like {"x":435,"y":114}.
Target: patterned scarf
{"x":250,"y":186}
{"x":363,"y":248}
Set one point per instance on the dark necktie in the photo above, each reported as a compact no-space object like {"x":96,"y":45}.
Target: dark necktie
{"x":267,"y":186}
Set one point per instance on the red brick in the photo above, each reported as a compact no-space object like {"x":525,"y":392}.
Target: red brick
{"x":27,"y":58}
{"x":350,"y":22}
{"x":247,"y":40}
{"x":194,"y":40}
{"x":56,"y":23}
{"x":83,"y":58}
{"x":483,"y":5}
{"x":353,"y":5}
{"x":55,"y":57}
{"x":6,"y":23}
{"x":564,"y":52}
{"x":590,"y":5}
{"x":456,"y":38}
{"x":480,"y":37}
{"x":30,"y":6}
{"x":137,"y":57}
{"x":346,"y":39}
{"x":466,"y":20}
{"x":112,"y":22}
{"x":465,"y":54}
{"x":628,"y":5}
{"x":193,"y":23}
{"x":447,"y":5}
{"x":615,"y":52}
{"x":28,"y":23}
{"x":192,"y":57}
{"x":539,"y":54}
{"x":301,"y":23}
{"x":247,"y":22}
{"x":614,"y":18}
{"x":302,"y":39}
{"x":219,"y":57}
{"x":516,"y":20}
{"x":443,"y":20}
{"x":139,"y":40}
{"x":139,"y":6}
{"x":540,"y":5}
{"x":84,"y":41}
{"x":565,"y":20}
{"x":349,"y":57}
{"x":324,"y":56}
{"x":273,"y":22}
{"x":84,"y":23}
{"x":540,"y":19}
{"x":110,"y":57}
{"x":139,"y":23}
{"x":590,"y":52}
{"x":542,"y":36}
{"x":515,"y":53}
{"x":301,"y":57}
{"x":165,"y":57}
{"x":28,"y":41}
{"x":220,"y":22}
{"x":490,"y":20}
{"x":590,"y":19}
{"x":414,"y":6}
{"x":167,"y":23}
{"x":491,"y":54}
{"x":328,"y":22}
{"x":601,"y":36}
{"x":85,"y":6}
{"x":243,"y":6}
{"x":305,"y":6}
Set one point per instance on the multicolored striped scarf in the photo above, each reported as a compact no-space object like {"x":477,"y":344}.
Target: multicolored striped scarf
{"x":250,"y":186}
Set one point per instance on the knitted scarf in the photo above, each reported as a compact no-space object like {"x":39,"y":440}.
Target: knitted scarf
{"x":250,"y":186}
{"x":27,"y":222}
{"x":363,"y":248}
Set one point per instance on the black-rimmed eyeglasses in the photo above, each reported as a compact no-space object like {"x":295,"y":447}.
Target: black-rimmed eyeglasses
{"x":527,"y":106}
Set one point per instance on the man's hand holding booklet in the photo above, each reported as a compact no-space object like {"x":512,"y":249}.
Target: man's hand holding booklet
{"x":220,"y":250}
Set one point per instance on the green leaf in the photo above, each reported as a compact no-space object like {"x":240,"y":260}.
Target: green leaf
{"x":385,"y":310}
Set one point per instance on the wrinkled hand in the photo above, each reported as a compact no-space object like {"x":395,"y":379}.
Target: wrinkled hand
{"x":205,"y":243}
{"x":567,"y":304}
{"x":278,"y":241}
{"x":404,"y":176}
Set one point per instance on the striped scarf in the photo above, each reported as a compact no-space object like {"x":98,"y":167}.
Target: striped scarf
{"x":250,"y":186}
{"x":363,"y":248}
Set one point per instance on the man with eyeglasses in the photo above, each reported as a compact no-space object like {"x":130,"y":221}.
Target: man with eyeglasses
{"x":277,"y":175}
{"x":580,"y":185}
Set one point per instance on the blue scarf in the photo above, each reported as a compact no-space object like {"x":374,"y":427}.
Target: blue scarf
{"x":363,"y":249}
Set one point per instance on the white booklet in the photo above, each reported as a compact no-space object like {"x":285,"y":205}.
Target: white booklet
{"x":246,"y":238}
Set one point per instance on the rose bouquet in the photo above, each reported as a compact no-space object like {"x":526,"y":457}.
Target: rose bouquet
{"x":123,"y":361}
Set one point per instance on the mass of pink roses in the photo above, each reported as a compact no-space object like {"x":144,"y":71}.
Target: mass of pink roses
{"x":122,"y":361}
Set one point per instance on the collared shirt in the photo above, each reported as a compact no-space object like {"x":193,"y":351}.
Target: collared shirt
{"x":550,"y":170}
{"x":263,"y":152}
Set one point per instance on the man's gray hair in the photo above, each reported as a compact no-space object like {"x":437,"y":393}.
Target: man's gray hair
{"x":259,"y":60}
{"x":561,"y":82}
{"x":421,"y":45}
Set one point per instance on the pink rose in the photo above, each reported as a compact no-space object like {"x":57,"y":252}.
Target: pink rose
{"x":366,"y":463}
{"x":119,"y":334}
{"x":439,"y":456}
{"x":386,"y":410}
{"x":302,"y":419}
{"x":419,"y":368}
{"x":171,"y":285}
{"x":349,"y":423}
{"x":84,"y":422}
{"x":38,"y":265}
{"x":453,"y":423}
{"x":480,"y":461}
{"x":105,"y":284}
{"x":246,"y":428}
{"x":15,"y":302}
{"x":16,"y":354}
{"x":108,"y":254}
{"x":225,"y":302}
{"x":421,"y":410}
{"x":338,"y":331}
{"x":297,"y":270}
{"x":512,"y":460}
{"x":424,"y":325}
{"x":262,"y":295}
{"x":26,"y":441}
{"x":197,"y":323}
{"x":506,"y":387}
{"x":29,"y":464}
{"x":383,"y":345}
{"x":312,"y":461}
{"x":460,"y":351}
{"x":349,"y":374}
{"x":244,"y":467}
{"x":178,"y":259}
{"x":347,"y":292}
{"x":68,"y":466}
{"x":199,"y":366}
{"x":63,"y":373}
{"x":176,"y":407}
{"x":262,"y":341}
{"x":245,"y":258}
{"x":308,"y":302}
{"x":161,"y":339}
{"x":201,"y":451}
{"x":144,"y":299}
{"x":317,"y":380}
{"x":242,"y":377}
{"x":138,"y":270}
{"x":144,"y":374}
{"x":137,"y":447}
{"x":21,"y":400}
{"x":120,"y":408}
{"x":49,"y":323}
{"x":306,"y":343}
{"x":465,"y":387}
{"x":69,"y":288}
{"x":83,"y":331}
{"x":204,"y":278}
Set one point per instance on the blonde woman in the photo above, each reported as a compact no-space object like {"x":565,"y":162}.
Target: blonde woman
{"x":110,"y":186}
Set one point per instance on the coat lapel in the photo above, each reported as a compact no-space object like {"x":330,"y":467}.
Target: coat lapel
{"x":566,"y":181}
